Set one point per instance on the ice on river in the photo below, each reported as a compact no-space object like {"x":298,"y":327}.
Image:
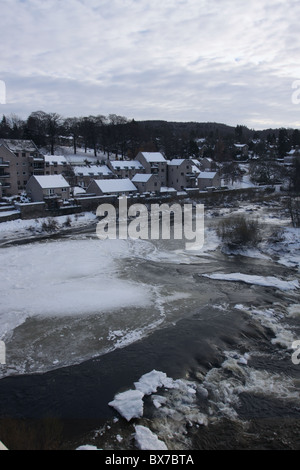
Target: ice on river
{"x":66,"y":278}
{"x":266,"y":281}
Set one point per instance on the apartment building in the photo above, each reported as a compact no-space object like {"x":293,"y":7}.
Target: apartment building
{"x":154,"y":163}
{"x":181,"y":174}
{"x":19,"y":160}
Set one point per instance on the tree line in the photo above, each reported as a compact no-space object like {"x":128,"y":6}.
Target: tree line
{"x":114,"y":134}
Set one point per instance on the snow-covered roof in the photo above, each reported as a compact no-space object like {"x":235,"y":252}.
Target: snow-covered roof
{"x":115,"y":185}
{"x":152,"y":157}
{"x":195,"y":169}
{"x":207,"y":174}
{"x":127,"y":165}
{"x":176,"y":161}
{"x":16,"y":145}
{"x":92,"y":170}
{"x":141,"y":177}
{"x":51,"y":181}
{"x":166,"y":189}
{"x":78,"y":190}
{"x":59,"y":159}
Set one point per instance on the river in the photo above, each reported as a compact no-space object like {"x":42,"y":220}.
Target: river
{"x":85,"y":320}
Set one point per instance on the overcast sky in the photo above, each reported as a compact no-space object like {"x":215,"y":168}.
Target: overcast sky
{"x":229,"y":61}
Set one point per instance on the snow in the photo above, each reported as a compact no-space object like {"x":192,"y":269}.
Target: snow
{"x":87,"y":447}
{"x":287,"y":250}
{"x":207,"y":175}
{"x":21,"y":228}
{"x":59,"y":159}
{"x":147,"y":440}
{"x":176,"y":161}
{"x":273,"y":320}
{"x":92,"y":170}
{"x":125,"y":165}
{"x":153,"y":157}
{"x":51,"y":181}
{"x":115,"y":185}
{"x":266,"y":281}
{"x":141,"y":177}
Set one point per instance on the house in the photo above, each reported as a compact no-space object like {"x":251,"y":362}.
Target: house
{"x":208,"y":179}
{"x":85,"y":174}
{"x":206,"y":164}
{"x":241,"y":150}
{"x":154,"y":163}
{"x":19,"y":160}
{"x":109,"y":187}
{"x":55,"y":165}
{"x":181,"y":174}
{"x":146,"y":182}
{"x":126,"y":168}
{"x":44,"y":187}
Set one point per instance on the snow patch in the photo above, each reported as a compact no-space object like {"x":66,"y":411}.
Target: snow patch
{"x":266,"y":281}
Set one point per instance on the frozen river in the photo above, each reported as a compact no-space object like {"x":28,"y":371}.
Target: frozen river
{"x":94,"y":316}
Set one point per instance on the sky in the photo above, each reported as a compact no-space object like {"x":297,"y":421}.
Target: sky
{"x":228,"y":61}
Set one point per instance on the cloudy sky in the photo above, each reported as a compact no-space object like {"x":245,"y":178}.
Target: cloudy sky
{"x":229,"y":61}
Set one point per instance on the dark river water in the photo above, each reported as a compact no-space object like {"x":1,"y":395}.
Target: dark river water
{"x":85,"y":320}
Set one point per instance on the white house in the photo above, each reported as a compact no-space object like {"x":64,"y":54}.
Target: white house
{"x":207,"y":179}
{"x":40,"y":187}
{"x":154,"y":163}
{"x":55,"y":164}
{"x":126,"y":168}
{"x":181,"y":174}
{"x":111,"y":187}
{"x":146,"y":182}
{"x":85,"y":174}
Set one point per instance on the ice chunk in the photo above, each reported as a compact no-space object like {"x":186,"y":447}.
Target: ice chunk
{"x":147,"y":440}
{"x":150,"y":382}
{"x":268,"y":281}
{"x":129,"y":404}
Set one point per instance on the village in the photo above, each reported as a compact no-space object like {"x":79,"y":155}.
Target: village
{"x":35,"y":184}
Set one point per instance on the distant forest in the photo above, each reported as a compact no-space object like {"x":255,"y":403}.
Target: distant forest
{"x":125,"y":137}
